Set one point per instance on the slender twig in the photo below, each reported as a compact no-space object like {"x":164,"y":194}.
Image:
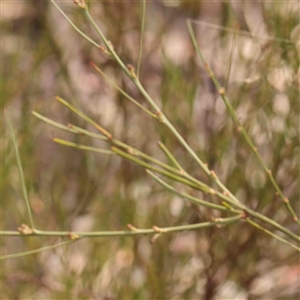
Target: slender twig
{"x":226,"y":195}
{"x":80,"y":130}
{"x":132,"y":154}
{"x":243,"y":32}
{"x":53,"y":123}
{"x":21,"y":254}
{"x":137,"y":153}
{"x":82,"y":147}
{"x":107,"y":43}
{"x":20,"y":168}
{"x":142,"y":37}
{"x":230,"y":60}
{"x":79,"y":234}
{"x":160,"y":115}
{"x":122,"y":91}
{"x":241,"y":128}
{"x":272,"y":234}
{"x":203,"y":187}
{"x":85,"y":117}
{"x":165,"y":121}
{"x":189,"y":197}
{"x":74,"y":26}
{"x":170,"y":156}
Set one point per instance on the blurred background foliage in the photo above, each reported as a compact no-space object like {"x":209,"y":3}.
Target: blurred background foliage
{"x":42,"y":56}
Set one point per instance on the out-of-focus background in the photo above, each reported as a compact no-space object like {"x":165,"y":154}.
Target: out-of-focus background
{"x":69,"y":189}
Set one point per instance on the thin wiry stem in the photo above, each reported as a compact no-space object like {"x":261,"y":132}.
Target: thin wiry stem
{"x":241,"y":128}
{"x":53,"y":123}
{"x":74,"y":26}
{"x":84,"y":116}
{"x":187,"y":196}
{"x":142,"y":38}
{"x":165,"y":121}
{"x":226,"y":195}
{"x":123,"y":92}
{"x":133,"y":231}
{"x":21,"y":254}
{"x":134,"y":152}
{"x":230,"y":61}
{"x":243,"y":32}
{"x":20,"y":168}
{"x":254,"y":224}
{"x":170,"y":156}
{"x":159,"y":113}
{"x":82,"y":147}
{"x":173,"y":176}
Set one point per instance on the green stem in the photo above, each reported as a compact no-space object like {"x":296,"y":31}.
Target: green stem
{"x":74,"y":26}
{"x":272,"y":234}
{"x":20,"y":168}
{"x":170,"y":156}
{"x":227,"y":195}
{"x":77,"y":130}
{"x":154,"y":105}
{"x":123,"y":92}
{"x":79,"y":234}
{"x":82,"y":147}
{"x":189,"y":197}
{"x":84,"y":116}
{"x":203,"y":187}
{"x":142,"y":38}
{"x":53,"y":123}
{"x":20,"y":254}
{"x":239,"y":124}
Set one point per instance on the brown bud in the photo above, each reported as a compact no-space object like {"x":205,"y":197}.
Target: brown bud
{"x":25,"y":229}
{"x":131,"y":70}
{"x":80,"y":3}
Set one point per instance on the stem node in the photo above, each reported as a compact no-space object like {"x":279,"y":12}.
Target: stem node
{"x":25,"y":229}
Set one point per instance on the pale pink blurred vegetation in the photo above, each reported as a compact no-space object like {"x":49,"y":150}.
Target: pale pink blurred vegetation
{"x":42,"y":56}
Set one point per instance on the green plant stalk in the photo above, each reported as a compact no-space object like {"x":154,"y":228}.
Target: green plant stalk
{"x":170,"y":156}
{"x":74,"y":26}
{"x":189,"y":197}
{"x":159,"y":113}
{"x":53,"y":123}
{"x":129,"y":149}
{"x":203,"y":188}
{"x":122,"y":91}
{"x":136,"y":152}
{"x":234,"y":31}
{"x":74,"y":129}
{"x":181,"y":172}
{"x":239,"y":124}
{"x":20,"y":168}
{"x":79,"y":130}
{"x":142,"y":38}
{"x":82,"y":147}
{"x":230,"y":61}
{"x":199,"y":186}
{"x":78,"y":234}
{"x":272,"y":234}
{"x":276,"y":225}
{"x":162,"y":117}
{"x":106,"y":42}
{"x":21,"y":254}
{"x":207,"y":189}
{"x":70,"y":128}
{"x":85,"y":117}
